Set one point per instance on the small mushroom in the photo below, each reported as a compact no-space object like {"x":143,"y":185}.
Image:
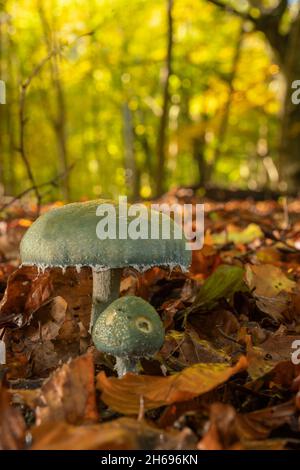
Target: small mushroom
{"x":66,"y":236}
{"x":129,"y":329}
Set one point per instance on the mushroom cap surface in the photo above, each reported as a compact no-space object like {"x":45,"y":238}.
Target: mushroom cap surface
{"x":129,"y":327}
{"x":66,"y":236}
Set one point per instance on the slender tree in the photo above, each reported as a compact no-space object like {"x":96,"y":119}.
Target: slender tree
{"x":59,"y":119}
{"x":286,"y":46}
{"x":163,"y":125}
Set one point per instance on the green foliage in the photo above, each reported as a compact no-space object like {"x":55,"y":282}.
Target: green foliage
{"x":110,"y":80}
{"x":223,"y":283}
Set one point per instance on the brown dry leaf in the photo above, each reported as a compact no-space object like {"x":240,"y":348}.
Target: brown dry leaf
{"x":269,"y":444}
{"x":229,"y":430}
{"x":12,"y":428}
{"x":120,"y":434}
{"x":279,"y":347}
{"x":191,"y":349}
{"x":25,"y":397}
{"x":283,"y":375}
{"x":204,"y":261}
{"x":259,"y":362}
{"x":170,"y":308}
{"x":69,"y":394}
{"x":43,"y":358}
{"x":26,"y":291}
{"x":125,"y":395}
{"x":58,"y":327}
{"x":271,"y":288}
{"x":150,"y":281}
{"x":222,"y":433}
{"x":268,"y":280}
{"x":63,"y":436}
{"x":276,"y":350}
{"x":259,"y":424}
{"x":217,"y":327}
{"x":48,"y":321}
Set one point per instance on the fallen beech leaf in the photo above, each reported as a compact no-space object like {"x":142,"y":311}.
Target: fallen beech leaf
{"x":69,"y":394}
{"x":222,"y":432}
{"x":26,"y":291}
{"x":259,"y":424}
{"x":283,"y":375}
{"x":260,"y":363}
{"x":25,"y":397}
{"x":229,"y":430}
{"x":191,"y":348}
{"x":58,"y":306}
{"x":223,"y":283}
{"x":279,"y":347}
{"x":148,"y":279}
{"x":170,"y":308}
{"x":43,"y":358}
{"x":271,"y":288}
{"x":267,"y":280}
{"x":204,"y":261}
{"x":268,"y":254}
{"x":236,"y":235}
{"x":271,"y":444}
{"x":215,"y":325}
{"x":120,"y":434}
{"x":124,"y":395}
{"x":12,"y":425}
{"x":64,"y":436}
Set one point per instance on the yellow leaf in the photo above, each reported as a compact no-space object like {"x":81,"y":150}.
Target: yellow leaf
{"x":125,"y":395}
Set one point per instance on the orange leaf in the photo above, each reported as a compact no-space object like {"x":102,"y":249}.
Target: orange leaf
{"x":124,"y":395}
{"x":69,"y":394}
{"x":119,"y":434}
{"x":12,"y":425}
{"x":268,"y":280}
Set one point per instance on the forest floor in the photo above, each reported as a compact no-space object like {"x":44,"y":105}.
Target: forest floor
{"x":227,"y":376}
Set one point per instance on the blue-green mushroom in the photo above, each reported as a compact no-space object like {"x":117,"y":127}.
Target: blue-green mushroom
{"x":69,"y":236}
{"x":129,"y":329}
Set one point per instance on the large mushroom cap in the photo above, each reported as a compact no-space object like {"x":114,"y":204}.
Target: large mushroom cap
{"x":66,"y":236}
{"x":129,"y":327}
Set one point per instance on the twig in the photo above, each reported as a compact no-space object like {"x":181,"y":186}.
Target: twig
{"x":22,"y":118}
{"x":22,"y":122}
{"x":141,"y":409}
{"x":231,"y":9}
{"x":51,"y":182}
{"x":229,"y":338}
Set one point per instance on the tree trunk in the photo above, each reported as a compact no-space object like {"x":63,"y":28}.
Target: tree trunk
{"x":162,"y":131}
{"x":59,"y":120}
{"x":286,"y":48}
{"x":222,"y":131}
{"x":132,"y":174}
{"x":1,"y":116}
{"x":289,"y":150}
{"x":199,"y":157}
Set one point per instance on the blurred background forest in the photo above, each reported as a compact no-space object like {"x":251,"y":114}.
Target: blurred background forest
{"x":108,"y":97}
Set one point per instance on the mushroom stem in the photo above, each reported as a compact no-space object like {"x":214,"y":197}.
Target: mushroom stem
{"x":106,"y":288}
{"x":126,"y":364}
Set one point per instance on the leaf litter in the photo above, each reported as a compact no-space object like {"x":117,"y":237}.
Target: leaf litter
{"x":224,"y":378}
